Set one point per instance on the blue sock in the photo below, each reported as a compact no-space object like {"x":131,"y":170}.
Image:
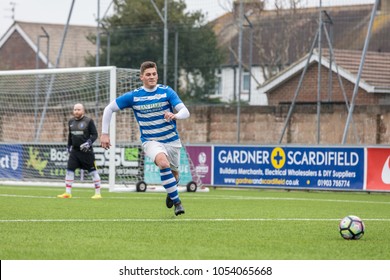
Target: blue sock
{"x":170,"y":184}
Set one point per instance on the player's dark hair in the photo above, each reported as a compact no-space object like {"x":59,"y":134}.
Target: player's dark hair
{"x":146,"y":65}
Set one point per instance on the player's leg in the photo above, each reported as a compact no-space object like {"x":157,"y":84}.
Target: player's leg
{"x":174,"y":160}
{"x":167,"y":178}
{"x":97,"y":183}
{"x":72,"y":165}
{"x":88,"y":163}
{"x":175,"y":174}
{"x":169,"y":182}
{"x":168,"y":200}
{"x":158,"y":153}
{"x":69,"y":179}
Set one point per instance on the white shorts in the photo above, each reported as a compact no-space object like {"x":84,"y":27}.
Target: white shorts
{"x":153,"y":148}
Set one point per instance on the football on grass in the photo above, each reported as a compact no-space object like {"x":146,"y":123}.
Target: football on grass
{"x":351,"y":227}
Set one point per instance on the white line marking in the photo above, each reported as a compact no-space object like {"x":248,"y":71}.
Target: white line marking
{"x":193,"y":197}
{"x":186,"y":220}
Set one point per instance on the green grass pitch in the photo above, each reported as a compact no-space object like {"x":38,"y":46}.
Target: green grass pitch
{"x":222,"y":224}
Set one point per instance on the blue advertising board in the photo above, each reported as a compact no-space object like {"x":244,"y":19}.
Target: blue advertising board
{"x":339,"y":168}
{"x":11,"y":161}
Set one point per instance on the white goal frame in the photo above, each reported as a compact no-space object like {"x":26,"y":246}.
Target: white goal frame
{"x":113,"y":93}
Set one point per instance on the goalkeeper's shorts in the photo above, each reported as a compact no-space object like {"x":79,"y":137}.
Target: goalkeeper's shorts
{"x":81,"y":160}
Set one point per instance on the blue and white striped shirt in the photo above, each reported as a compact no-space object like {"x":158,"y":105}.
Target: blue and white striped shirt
{"x":149,"y":108}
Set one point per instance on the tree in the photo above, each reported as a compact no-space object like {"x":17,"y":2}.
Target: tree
{"x":281,"y":35}
{"x":136,"y":34}
{"x":282,"y":32}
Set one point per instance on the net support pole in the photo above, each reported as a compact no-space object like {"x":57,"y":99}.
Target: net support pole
{"x":240,"y":27}
{"x":49,"y":91}
{"x":290,"y":111}
{"x":112,"y":151}
{"x":164,"y":19}
{"x":356,"y":88}
{"x":319,"y":75}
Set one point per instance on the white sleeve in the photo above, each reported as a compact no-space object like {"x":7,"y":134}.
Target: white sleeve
{"x":182,"y":111}
{"x":107,"y":114}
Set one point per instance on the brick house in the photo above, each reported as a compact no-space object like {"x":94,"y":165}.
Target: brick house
{"x":23,"y":40}
{"x":374,"y":85}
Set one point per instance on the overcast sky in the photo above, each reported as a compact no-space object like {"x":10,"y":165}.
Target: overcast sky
{"x":85,"y":11}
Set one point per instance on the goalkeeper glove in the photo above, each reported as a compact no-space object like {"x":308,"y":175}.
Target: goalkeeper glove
{"x":86,"y":146}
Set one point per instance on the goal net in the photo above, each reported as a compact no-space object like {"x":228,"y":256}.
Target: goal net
{"x":35,"y":107}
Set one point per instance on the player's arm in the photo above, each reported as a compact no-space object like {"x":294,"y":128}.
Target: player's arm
{"x":93,"y":134}
{"x":70,"y":143}
{"x":106,"y":120}
{"x":175,"y":101}
{"x":182,"y":113}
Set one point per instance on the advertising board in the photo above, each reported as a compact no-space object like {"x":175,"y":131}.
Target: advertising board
{"x":339,"y":168}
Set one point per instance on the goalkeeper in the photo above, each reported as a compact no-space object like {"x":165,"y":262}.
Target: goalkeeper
{"x":82,"y":133}
{"x":153,"y":106}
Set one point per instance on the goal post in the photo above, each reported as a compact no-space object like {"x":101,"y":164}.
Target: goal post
{"x":111,"y":171}
{"x":35,"y":107}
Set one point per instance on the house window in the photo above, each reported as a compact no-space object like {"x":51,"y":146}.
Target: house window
{"x":246,"y":81}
